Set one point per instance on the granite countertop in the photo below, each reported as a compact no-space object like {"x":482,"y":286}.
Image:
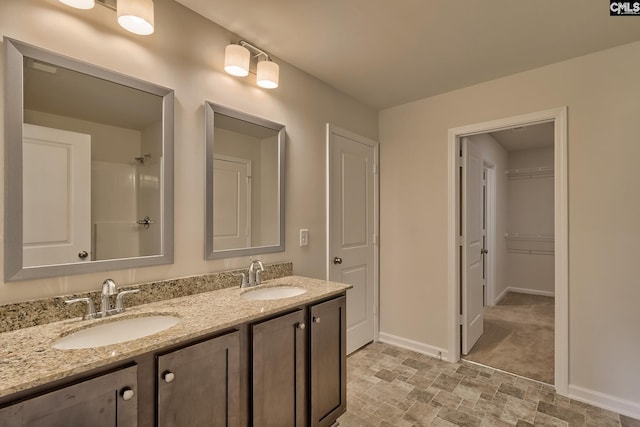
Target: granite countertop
{"x":28,"y":359}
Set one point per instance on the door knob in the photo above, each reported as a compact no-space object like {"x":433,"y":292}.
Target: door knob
{"x":484,"y":251}
{"x":83,"y":254}
{"x":337,"y":260}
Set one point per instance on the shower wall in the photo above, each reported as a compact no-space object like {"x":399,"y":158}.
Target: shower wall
{"x":115,"y":233}
{"x":149,"y":202}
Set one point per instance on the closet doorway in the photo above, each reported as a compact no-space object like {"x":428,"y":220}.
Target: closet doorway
{"x":513,"y":217}
{"x":514,"y":241}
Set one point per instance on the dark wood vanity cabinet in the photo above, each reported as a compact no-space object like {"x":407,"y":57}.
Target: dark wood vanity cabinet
{"x":278,"y":394}
{"x":288,"y":370}
{"x":327,"y":361}
{"x":298,"y":367}
{"x":199,"y":385}
{"x":106,"y":400}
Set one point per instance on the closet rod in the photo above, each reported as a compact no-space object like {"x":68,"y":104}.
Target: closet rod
{"x":538,"y":237}
{"x":543,"y":171}
{"x":530,"y":252}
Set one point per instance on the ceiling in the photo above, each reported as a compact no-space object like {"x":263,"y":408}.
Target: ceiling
{"x":243,"y":127}
{"x":525,"y":137}
{"x":57,"y":90}
{"x":390,"y":52}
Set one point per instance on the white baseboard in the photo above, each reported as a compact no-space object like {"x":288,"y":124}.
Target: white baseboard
{"x":524,"y":291}
{"x":605,"y":401}
{"x":416,"y":346}
{"x":499,"y":297}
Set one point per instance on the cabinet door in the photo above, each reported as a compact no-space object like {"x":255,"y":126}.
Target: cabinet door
{"x":199,"y":385}
{"x":328,"y":361}
{"x":278,"y":371}
{"x":105,"y":401}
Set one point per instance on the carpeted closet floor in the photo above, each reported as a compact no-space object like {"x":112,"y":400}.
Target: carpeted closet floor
{"x":518,"y":337}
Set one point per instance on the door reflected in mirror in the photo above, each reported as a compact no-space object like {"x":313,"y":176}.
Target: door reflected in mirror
{"x":244,"y":184}
{"x":98,"y":164}
{"x":92,"y":149}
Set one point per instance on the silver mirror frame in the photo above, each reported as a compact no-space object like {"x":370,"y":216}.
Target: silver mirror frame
{"x":15,"y":51}
{"x":210,"y":111}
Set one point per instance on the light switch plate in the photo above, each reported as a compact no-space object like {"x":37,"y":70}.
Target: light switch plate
{"x":304,"y":237}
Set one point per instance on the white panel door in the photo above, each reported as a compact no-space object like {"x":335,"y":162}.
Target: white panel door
{"x":472,"y":259}
{"x":231,"y":203}
{"x":56,"y":197}
{"x":352,"y":259}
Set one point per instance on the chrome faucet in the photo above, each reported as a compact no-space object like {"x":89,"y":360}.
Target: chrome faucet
{"x":120,"y":297}
{"x":108,"y":288}
{"x":91,"y":308}
{"x":254,"y":276}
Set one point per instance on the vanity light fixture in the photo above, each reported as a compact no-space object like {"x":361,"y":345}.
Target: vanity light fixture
{"x":237,"y":60}
{"x":136,"y":16}
{"x":79,"y":4}
{"x":267,"y":75}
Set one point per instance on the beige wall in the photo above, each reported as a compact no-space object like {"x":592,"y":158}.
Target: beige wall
{"x":604,"y":206}
{"x":530,"y":202}
{"x":187,"y":53}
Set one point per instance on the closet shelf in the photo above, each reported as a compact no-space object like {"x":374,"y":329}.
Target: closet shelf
{"x":530,"y":252}
{"x":535,"y":237}
{"x":540,"y":172}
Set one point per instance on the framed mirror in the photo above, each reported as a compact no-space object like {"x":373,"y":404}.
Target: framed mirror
{"x":88,"y":167}
{"x":245,"y":184}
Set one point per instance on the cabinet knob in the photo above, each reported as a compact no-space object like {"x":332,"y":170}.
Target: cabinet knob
{"x":168,"y":377}
{"x":127,"y":393}
{"x":301,"y":326}
{"x":316,"y":320}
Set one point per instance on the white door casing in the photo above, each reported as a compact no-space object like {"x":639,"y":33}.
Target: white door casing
{"x":352,"y":224}
{"x":490,"y":234}
{"x":56,"y":196}
{"x":231,"y":203}
{"x":473,"y":244}
{"x":561,"y":236}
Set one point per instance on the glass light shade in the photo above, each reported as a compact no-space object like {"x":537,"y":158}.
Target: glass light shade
{"x":267,"y":74}
{"x":79,"y":4}
{"x":236,"y":60}
{"x":136,"y":16}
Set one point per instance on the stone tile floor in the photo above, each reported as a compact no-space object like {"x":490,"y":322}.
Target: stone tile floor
{"x":390,"y":386}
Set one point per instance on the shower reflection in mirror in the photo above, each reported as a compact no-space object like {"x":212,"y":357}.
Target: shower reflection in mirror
{"x":89,"y":167}
{"x":115,"y":159}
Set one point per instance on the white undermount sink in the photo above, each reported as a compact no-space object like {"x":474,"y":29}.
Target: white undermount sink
{"x":274,"y":292}
{"x":117,"y":331}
